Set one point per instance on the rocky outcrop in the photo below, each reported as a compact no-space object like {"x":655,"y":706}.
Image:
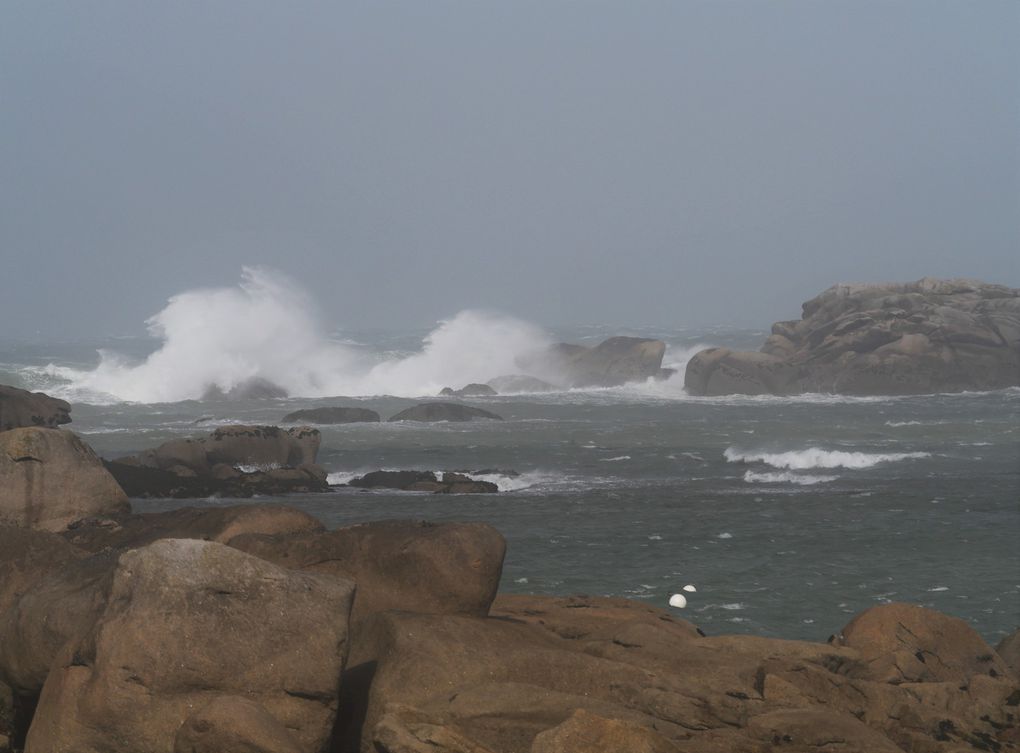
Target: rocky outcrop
{"x":547,"y":674}
{"x":182,"y":645}
{"x":444,"y":412}
{"x":336,"y":415}
{"x":187,"y":623}
{"x":20,"y":408}
{"x":891,"y":339}
{"x":511,"y":383}
{"x":424,"y":481}
{"x":50,"y":478}
{"x":470,"y":390}
{"x":613,"y":362}
{"x":447,"y":568}
{"x":234,"y":461}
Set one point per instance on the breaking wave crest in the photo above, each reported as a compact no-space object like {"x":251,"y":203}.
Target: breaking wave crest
{"x":266,"y":330}
{"x":816,"y":457}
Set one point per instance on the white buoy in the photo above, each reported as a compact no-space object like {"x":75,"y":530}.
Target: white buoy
{"x":678,"y":600}
{"x":690,"y":589}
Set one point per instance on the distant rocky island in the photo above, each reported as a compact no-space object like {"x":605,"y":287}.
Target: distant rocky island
{"x":884,"y":339}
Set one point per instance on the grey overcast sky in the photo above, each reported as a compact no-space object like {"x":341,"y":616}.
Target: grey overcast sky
{"x":682,"y":162}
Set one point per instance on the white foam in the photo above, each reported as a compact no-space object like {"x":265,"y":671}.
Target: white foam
{"x":616,"y":459}
{"x":816,"y":457}
{"x":785,"y":477}
{"x":267,"y":328}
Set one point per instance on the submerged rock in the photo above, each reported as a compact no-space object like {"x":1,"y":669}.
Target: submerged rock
{"x":336,"y":415}
{"x":444,"y":412}
{"x":20,"y":408}
{"x":889,"y":339}
{"x":50,"y":478}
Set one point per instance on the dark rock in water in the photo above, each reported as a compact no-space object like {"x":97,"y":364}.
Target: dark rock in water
{"x":221,"y":480}
{"x":256,"y":388}
{"x":471,"y":390}
{"x":890,"y":339}
{"x":511,"y":383}
{"x":613,"y":362}
{"x":457,"y":483}
{"x":234,"y":461}
{"x":436,"y":568}
{"x":263,"y":445}
{"x":444,"y":412}
{"x":188,"y":621}
{"x":423,"y":481}
{"x":20,"y":408}
{"x":391,"y":479}
{"x":50,"y":478}
{"x":332,"y":416}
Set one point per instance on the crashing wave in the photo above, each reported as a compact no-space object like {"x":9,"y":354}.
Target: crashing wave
{"x":816,"y":457}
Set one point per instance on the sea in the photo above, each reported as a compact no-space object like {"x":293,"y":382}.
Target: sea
{"x":787,"y":515}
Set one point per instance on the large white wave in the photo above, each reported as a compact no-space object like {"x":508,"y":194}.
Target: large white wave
{"x":816,"y":457}
{"x":266,"y":328}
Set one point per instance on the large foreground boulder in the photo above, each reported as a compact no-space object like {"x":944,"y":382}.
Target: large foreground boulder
{"x":451,"y":568}
{"x":444,"y":412}
{"x":187,"y":623}
{"x":613,"y":362}
{"x":890,"y":339}
{"x":21,"y":408}
{"x":50,"y":478}
{"x":337,"y":415}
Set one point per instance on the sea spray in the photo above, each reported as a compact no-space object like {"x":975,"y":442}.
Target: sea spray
{"x":266,"y":328}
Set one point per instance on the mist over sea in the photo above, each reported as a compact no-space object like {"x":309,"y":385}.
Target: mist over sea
{"x":788,"y":514}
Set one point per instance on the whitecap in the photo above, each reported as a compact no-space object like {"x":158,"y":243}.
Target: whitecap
{"x":786,"y":478}
{"x":816,"y":457}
